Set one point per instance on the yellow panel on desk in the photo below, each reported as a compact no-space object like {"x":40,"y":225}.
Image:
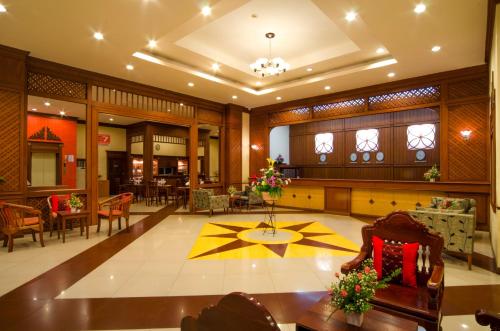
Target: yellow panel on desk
{"x":382,"y":202}
{"x":405,"y":200}
{"x":360,"y":202}
{"x":317,"y":200}
{"x":287,"y":198}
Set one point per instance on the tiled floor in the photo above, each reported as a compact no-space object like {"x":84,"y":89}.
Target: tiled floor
{"x":156,"y":264}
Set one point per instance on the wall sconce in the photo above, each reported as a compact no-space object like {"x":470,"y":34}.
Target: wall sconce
{"x":255,"y":147}
{"x":465,"y":134}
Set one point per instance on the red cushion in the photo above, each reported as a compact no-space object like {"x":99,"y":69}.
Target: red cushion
{"x":387,"y":257}
{"x":60,"y":202}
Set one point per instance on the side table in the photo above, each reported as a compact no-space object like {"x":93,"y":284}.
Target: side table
{"x":64,"y":215}
{"x":316,"y":318}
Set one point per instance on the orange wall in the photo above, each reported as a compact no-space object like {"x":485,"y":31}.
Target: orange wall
{"x":66,"y":130}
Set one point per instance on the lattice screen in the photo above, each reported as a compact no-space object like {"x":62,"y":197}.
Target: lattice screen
{"x":46,"y":84}
{"x":293,"y":115}
{"x":10,"y":127}
{"x":339,"y":108}
{"x":137,"y":101}
{"x":405,"y":98}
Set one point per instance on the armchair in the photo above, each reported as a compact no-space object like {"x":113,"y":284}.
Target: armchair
{"x":13,"y":219}
{"x":423,"y":303}
{"x":205,"y":199}
{"x":486,"y":318}
{"x":454,"y":219}
{"x":112,"y":209}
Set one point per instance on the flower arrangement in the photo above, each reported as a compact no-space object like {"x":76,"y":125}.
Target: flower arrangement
{"x":432,"y":173}
{"x":280,"y":159}
{"x":271,"y":181}
{"x":75,"y":202}
{"x":352,"y":292}
{"x":231,"y":190}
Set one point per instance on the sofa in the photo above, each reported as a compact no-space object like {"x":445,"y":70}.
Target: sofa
{"x":454,"y":219}
{"x":205,"y":199}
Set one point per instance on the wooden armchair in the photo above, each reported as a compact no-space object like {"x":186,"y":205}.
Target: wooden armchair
{"x":152,"y":193}
{"x":486,"y":318}
{"x":16,"y":218}
{"x":422,"y":304}
{"x":127,"y":199}
{"x":235,"y":311}
{"x":110,"y":209}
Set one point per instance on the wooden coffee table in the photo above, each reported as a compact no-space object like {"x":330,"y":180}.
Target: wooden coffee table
{"x":65,"y":215}
{"x":316,"y":318}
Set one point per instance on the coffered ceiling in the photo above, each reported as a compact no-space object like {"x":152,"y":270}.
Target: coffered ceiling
{"x":310,"y":34}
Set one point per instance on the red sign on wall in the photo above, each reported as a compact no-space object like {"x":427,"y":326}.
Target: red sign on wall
{"x":103,"y":139}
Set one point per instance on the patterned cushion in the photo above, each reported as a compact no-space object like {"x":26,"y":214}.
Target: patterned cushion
{"x":392,"y":258}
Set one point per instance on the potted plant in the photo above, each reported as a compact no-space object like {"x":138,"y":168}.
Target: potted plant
{"x":231,"y":190}
{"x":75,"y":203}
{"x":271,"y":183}
{"x":280,"y":160}
{"x":432,"y":174}
{"x":352,"y":293}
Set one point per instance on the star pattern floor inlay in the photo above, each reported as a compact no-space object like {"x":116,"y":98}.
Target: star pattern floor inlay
{"x":230,"y":240}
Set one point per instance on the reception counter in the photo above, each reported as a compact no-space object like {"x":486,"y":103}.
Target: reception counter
{"x":377,"y":198}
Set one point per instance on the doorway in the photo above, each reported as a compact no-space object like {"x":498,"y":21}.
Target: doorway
{"x":117,"y":170}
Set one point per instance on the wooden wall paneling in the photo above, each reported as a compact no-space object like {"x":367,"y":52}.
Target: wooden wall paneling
{"x":468,"y":159}
{"x":210,"y":117}
{"x":368,"y":121}
{"x":477,"y":86}
{"x":93,"y":159}
{"x":259,"y":136}
{"x":193,"y":162}
{"x":338,"y":200}
{"x":482,"y":208}
{"x":233,"y":146}
{"x":13,"y":123}
{"x":443,"y":134}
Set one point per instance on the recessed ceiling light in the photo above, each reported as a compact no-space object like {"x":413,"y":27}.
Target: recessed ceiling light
{"x":215,"y":66}
{"x":190,"y":84}
{"x":46,"y":103}
{"x":235,"y":97}
{"x":351,"y":16}
{"x":278,"y":98}
{"x":111,"y":119}
{"x":309,"y":69}
{"x":62,"y":113}
{"x":3,"y":9}
{"x":206,"y":10}
{"x":98,"y":36}
{"x":380,"y":50}
{"x":258,"y":83}
{"x":420,"y":8}
{"x":34,"y":109}
{"x":391,"y":74}
{"x":436,"y":48}
{"x":129,"y":67}
{"x":327,"y":87}
{"x":152,"y":43}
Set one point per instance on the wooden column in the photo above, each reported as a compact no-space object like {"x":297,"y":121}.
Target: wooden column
{"x":92,"y":161}
{"x":13,"y":97}
{"x":233,"y":127}
{"x":147,"y":153}
{"x":193,"y":161}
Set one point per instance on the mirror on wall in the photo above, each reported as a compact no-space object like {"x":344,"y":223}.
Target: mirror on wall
{"x":208,"y":153}
{"x":56,"y":135}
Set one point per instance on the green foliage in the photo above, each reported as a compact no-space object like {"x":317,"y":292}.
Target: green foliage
{"x":432,"y":173}
{"x":231,"y":190}
{"x":352,"y":292}
{"x":75,"y":202}
{"x":271,"y":181}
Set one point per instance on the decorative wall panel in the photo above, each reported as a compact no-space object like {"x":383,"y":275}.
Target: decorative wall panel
{"x":131,"y":100}
{"x":48,"y":85}
{"x":333,"y":109}
{"x":418,"y":96}
{"x":233,"y":146}
{"x":294,"y":115}
{"x":10,"y":140}
{"x":209,"y":116}
{"x":468,"y":158}
{"x":468,"y":88}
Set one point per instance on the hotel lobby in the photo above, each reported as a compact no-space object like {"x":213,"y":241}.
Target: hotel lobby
{"x":207,"y":165}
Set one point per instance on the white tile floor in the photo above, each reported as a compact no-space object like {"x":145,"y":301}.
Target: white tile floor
{"x":159,"y":256}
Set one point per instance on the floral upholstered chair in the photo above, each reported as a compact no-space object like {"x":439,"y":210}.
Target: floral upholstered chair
{"x":205,"y":199}
{"x":454,"y":219}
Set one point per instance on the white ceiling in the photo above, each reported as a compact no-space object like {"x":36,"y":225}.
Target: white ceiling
{"x":36,"y":105}
{"x":308,"y":33}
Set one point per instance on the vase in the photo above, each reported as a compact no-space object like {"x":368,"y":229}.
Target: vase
{"x":266,"y":196}
{"x":355,"y":319}
{"x":432,"y":180}
{"x":73,"y":209}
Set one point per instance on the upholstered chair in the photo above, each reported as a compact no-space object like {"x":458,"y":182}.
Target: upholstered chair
{"x":205,"y":199}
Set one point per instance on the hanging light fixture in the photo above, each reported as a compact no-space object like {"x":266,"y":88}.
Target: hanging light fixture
{"x":269,"y":66}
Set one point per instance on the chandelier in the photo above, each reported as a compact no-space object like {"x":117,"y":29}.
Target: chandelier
{"x":269,"y":66}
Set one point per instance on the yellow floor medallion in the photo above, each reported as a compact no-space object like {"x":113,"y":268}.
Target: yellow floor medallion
{"x":231,"y":240}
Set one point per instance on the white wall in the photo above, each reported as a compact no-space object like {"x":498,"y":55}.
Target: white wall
{"x":495,"y":58}
{"x":279,"y":142}
{"x":118,"y":142}
{"x":168,"y":149}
